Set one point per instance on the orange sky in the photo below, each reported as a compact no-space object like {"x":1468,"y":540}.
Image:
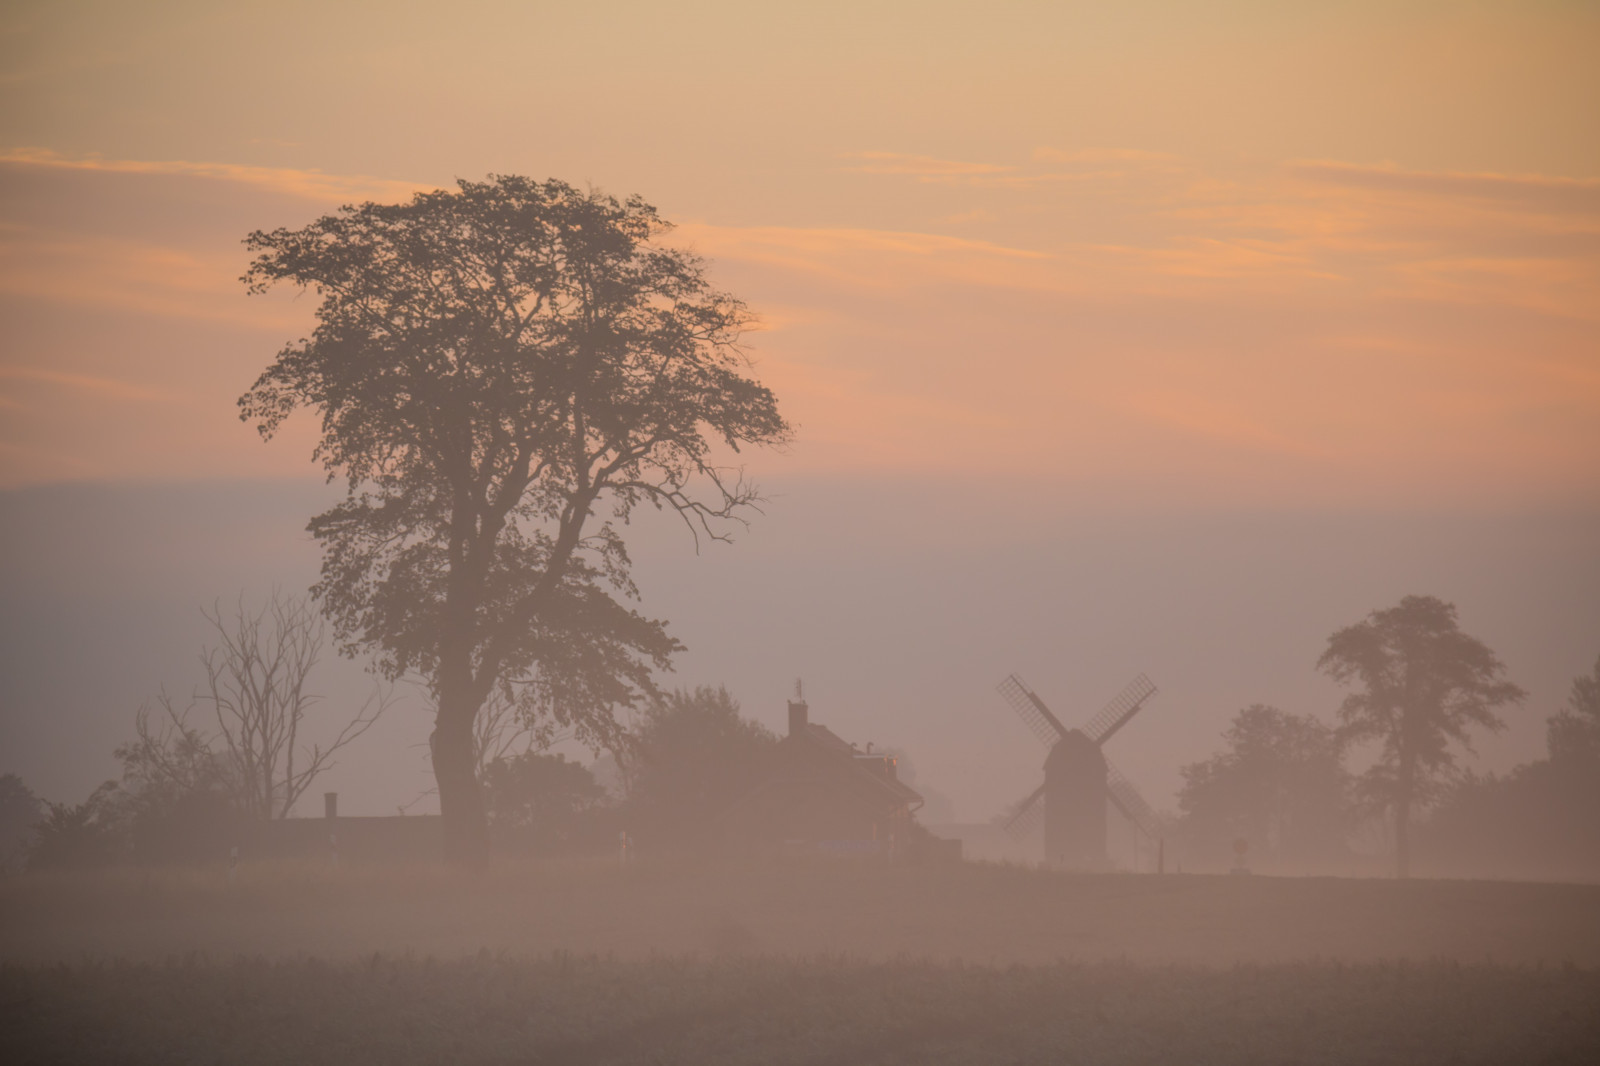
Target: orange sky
{"x":1346,"y":253}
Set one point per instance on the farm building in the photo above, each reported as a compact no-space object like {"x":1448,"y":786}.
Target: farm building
{"x":820,"y":791}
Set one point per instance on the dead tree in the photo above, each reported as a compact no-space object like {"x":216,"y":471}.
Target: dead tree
{"x":256,"y":690}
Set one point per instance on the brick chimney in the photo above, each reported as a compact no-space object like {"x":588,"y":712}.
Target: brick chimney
{"x":799,"y":715}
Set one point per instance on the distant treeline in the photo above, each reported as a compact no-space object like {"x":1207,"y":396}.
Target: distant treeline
{"x":1282,"y":786}
{"x":690,"y":756}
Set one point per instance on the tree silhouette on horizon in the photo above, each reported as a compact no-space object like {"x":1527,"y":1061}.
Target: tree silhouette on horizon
{"x":503,"y":372}
{"x":1423,"y":684}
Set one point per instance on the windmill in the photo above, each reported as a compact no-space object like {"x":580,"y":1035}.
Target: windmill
{"x":1078,"y":781}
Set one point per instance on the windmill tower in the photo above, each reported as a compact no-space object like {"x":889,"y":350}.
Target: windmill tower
{"x":1078,"y":780}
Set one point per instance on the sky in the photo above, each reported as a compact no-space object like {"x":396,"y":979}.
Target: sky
{"x":1155,"y":336}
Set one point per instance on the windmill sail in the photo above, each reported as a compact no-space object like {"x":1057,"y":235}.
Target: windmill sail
{"x":1031,"y":709}
{"x":1115,"y":714}
{"x":1125,"y":798}
{"x":1027,"y":816}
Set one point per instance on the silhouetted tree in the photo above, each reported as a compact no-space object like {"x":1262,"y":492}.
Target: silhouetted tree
{"x":493,"y":366}
{"x":19,"y":810}
{"x":177,"y":796}
{"x":1573,"y":733}
{"x":257,"y":696}
{"x":1423,"y":684}
{"x":77,"y":836}
{"x":1280,"y":783}
{"x":540,"y":799}
{"x":1540,"y":820}
{"x":694,"y":755}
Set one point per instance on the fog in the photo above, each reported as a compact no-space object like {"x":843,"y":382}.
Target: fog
{"x":901,"y":604}
{"x":1246,"y":351}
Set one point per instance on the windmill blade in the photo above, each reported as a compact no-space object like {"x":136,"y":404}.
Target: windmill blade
{"x":1115,"y":714}
{"x":1027,"y":817}
{"x":1031,"y":709}
{"x":1126,"y":799}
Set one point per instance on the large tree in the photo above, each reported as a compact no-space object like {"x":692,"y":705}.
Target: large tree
{"x":1423,"y":684}
{"x":503,"y":373}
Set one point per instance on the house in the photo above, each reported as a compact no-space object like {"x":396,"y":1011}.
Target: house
{"x":821,"y":792}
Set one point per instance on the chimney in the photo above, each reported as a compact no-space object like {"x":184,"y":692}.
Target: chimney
{"x":799,"y":713}
{"x":330,"y":804}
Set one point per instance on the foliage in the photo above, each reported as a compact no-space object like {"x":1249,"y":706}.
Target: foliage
{"x":178,"y":797}
{"x":540,"y":800}
{"x":1540,"y":820}
{"x":258,"y":760}
{"x":1423,"y":685}
{"x":75,"y":836}
{"x":497,"y":368}
{"x":19,"y":810}
{"x":1574,"y":731}
{"x":256,"y":688}
{"x":694,"y":756}
{"x":1280,"y":784}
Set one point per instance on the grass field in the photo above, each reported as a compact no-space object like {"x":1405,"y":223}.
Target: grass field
{"x":764,"y":1010}
{"x":801,"y":963}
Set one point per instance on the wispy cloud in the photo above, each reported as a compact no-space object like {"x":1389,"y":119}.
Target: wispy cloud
{"x":864,"y":258}
{"x":1102,"y":156}
{"x":1528,"y":191}
{"x":1296,"y":324}
{"x":921,"y":166}
{"x":148,"y":279}
{"x":307,"y":184}
{"x":122,"y":390}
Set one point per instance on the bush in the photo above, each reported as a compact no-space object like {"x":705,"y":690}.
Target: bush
{"x":542,"y":802}
{"x":695,"y":755}
{"x":82,"y":835}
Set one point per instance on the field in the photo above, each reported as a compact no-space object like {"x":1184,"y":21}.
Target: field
{"x":794,"y":963}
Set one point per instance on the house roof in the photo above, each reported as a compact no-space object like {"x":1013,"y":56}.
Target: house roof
{"x":875,"y":768}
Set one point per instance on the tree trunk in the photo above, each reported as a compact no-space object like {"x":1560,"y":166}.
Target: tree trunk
{"x":1402,"y":838}
{"x":1405,"y":793}
{"x":463,"y":820}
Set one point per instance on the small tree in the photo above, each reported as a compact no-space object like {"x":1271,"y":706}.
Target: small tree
{"x":1280,"y":783}
{"x":499,"y":370}
{"x":1540,"y":820}
{"x":20,"y":810}
{"x":75,"y":836}
{"x":257,"y":677}
{"x":1573,"y":733}
{"x":540,"y":799}
{"x":257,"y":695}
{"x":1423,"y":686}
{"x":693,"y":756}
{"x":178,"y":796}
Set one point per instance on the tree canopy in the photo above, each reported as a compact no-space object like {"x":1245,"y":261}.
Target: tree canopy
{"x":503,"y":372}
{"x":695,"y":754}
{"x":540,"y":799}
{"x":1423,"y":686}
{"x":1279,"y":783}
{"x":1543,"y":818}
{"x":1574,"y":731}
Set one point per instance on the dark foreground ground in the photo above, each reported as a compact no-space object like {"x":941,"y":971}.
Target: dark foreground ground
{"x":586,"y":962}
{"x":772,"y":1010}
